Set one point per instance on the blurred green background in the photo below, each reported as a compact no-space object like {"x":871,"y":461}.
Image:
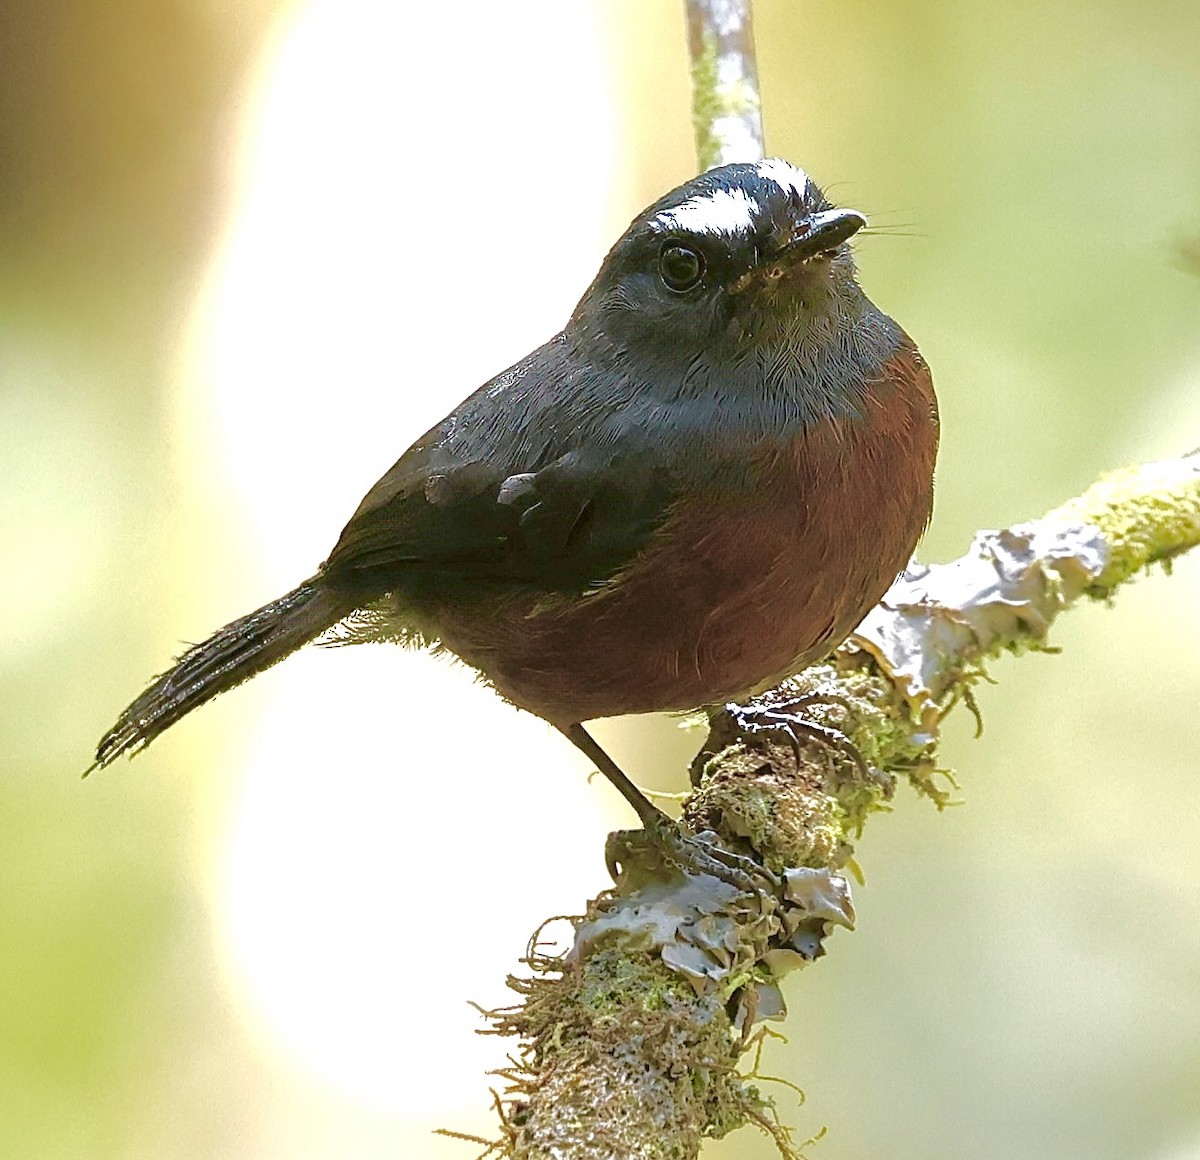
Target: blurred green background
{"x":248,"y":251}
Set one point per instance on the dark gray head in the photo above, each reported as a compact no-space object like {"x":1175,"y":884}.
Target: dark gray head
{"x":742,"y":255}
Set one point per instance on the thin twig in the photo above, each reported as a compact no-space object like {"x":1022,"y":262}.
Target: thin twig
{"x":726,"y":108}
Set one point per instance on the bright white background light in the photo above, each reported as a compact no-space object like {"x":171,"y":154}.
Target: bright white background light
{"x":423,"y":193}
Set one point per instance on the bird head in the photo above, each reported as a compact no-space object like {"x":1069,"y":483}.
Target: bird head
{"x":742,"y":254}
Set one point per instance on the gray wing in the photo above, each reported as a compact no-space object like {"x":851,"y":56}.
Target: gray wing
{"x":563,"y":512}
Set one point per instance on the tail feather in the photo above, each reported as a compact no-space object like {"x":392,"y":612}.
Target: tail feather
{"x":233,"y":654}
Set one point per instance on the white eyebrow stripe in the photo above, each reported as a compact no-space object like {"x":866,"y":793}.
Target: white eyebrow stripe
{"x":784,"y":174}
{"x":724,"y":211}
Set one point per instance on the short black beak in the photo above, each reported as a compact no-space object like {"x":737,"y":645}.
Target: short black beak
{"x":821,"y":232}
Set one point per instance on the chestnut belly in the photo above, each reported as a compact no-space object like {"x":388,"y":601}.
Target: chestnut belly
{"x":743,"y":584}
{"x":714,"y":607}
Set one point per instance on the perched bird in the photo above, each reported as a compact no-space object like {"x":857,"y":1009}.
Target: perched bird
{"x":700,"y":486}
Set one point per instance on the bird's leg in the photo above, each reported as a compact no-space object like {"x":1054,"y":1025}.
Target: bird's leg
{"x":651,"y":816}
{"x":680,"y":850}
{"x":785,"y":723}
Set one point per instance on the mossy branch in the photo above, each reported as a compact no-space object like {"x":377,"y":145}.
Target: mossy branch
{"x":630,"y":1042}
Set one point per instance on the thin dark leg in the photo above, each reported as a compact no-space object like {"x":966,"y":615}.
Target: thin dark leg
{"x":673,"y":846}
{"x":652,"y":817}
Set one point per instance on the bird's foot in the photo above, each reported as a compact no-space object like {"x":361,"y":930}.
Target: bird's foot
{"x":789,"y":725}
{"x":663,"y":849}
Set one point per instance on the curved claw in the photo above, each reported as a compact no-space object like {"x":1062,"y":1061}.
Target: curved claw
{"x":663,"y":849}
{"x":791,"y":726}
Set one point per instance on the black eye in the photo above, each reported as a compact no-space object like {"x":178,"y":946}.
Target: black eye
{"x":680,"y":268}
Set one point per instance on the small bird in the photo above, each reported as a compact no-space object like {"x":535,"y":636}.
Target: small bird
{"x":698,"y":487}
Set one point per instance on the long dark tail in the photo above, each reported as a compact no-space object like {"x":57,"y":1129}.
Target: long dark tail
{"x":233,"y":654}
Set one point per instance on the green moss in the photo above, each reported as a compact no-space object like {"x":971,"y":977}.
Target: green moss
{"x":706,"y":103}
{"x":711,"y":101}
{"x":612,"y":981}
{"x":1148,"y":514}
{"x":620,"y":1045}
